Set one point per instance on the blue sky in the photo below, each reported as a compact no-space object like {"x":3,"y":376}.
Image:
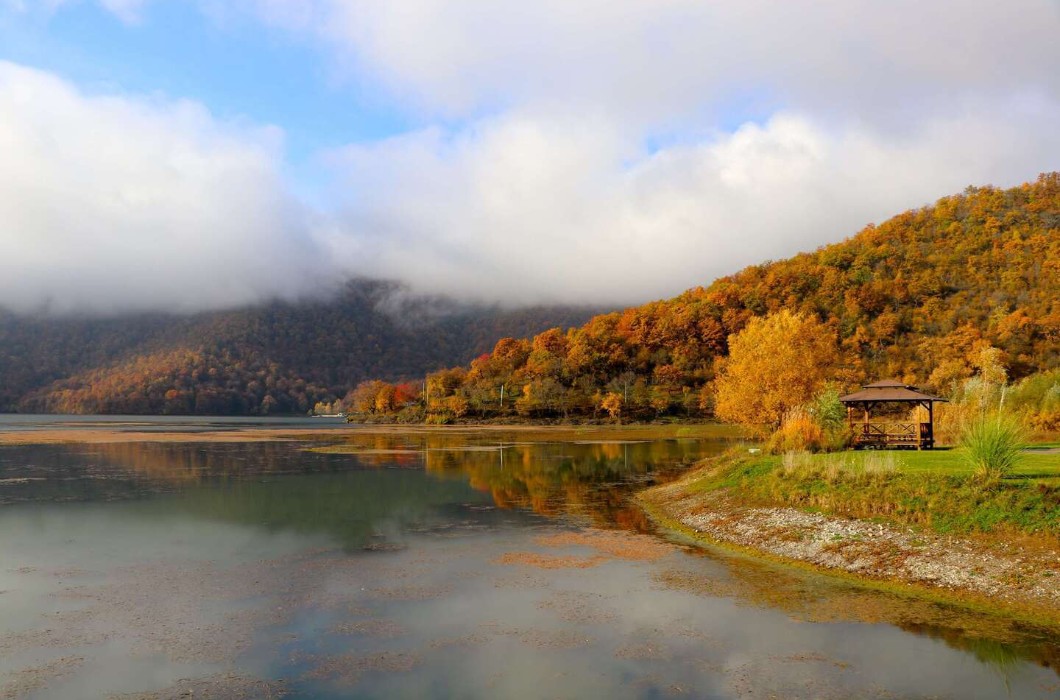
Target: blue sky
{"x":209,"y":153}
{"x":237,"y":69}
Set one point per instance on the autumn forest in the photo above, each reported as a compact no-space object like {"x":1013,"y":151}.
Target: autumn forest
{"x":279,"y":358}
{"x":917,"y":298}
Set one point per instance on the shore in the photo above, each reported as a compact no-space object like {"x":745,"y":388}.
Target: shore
{"x":110,"y":435}
{"x":1015,"y":575}
{"x":133,"y":432}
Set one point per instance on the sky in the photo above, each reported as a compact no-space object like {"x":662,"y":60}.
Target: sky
{"x":199,"y":154}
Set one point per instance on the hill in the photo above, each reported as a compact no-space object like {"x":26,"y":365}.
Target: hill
{"x":916,"y":298}
{"x":281,"y":357}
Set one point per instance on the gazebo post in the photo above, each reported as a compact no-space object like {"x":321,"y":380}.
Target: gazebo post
{"x":919,"y":437}
{"x":931,"y":423}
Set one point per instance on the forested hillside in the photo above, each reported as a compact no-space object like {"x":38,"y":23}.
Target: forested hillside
{"x":277,"y":358}
{"x":917,"y":298}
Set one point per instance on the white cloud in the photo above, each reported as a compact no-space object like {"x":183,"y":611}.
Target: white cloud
{"x":858,"y":110}
{"x":536,"y":210}
{"x":536,"y":172}
{"x":118,"y":203}
{"x":128,"y":11}
{"x":668,"y":60}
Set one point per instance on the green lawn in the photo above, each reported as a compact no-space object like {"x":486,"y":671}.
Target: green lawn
{"x":932,"y":488}
{"x":1034,"y":465}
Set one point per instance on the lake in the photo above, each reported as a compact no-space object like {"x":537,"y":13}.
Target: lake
{"x":454,"y":563}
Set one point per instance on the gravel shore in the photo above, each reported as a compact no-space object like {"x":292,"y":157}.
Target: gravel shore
{"x":1002,"y":572}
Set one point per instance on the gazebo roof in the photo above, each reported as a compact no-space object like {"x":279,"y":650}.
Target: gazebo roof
{"x":888,"y":390}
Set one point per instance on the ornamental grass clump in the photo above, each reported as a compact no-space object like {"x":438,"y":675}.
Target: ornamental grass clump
{"x":993,"y":444}
{"x":798,"y":432}
{"x":819,"y":426}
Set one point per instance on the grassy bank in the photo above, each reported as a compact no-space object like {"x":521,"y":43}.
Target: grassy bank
{"x":934,"y":489}
{"x":917,"y":521}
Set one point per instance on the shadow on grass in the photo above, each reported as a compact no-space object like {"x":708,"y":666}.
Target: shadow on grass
{"x":1024,"y":476}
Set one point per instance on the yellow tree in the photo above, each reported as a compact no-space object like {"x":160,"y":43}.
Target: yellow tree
{"x":775,"y":364}
{"x":612,"y":403}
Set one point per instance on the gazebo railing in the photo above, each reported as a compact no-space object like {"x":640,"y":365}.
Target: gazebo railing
{"x":904,"y":433}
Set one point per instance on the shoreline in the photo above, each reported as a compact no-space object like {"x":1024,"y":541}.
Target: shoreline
{"x":987,"y":575}
{"x":109,"y":434}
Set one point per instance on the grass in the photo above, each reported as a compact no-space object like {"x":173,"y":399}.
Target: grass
{"x":993,"y":445}
{"x":935,"y":489}
{"x":1033,"y":465}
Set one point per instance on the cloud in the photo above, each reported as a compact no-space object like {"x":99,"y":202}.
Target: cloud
{"x":533,"y":210}
{"x":613,"y":150}
{"x":663,"y":61}
{"x":601,"y":150}
{"x":128,"y":11}
{"x":114,"y":203}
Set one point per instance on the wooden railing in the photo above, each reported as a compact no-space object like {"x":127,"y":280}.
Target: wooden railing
{"x":893,"y":434}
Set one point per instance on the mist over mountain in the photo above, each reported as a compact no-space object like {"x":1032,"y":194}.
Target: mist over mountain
{"x":914,"y":298}
{"x":278,"y":357}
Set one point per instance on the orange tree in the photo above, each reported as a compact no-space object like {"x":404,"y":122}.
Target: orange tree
{"x":775,"y":364}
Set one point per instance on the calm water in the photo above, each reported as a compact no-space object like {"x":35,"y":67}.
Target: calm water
{"x":197,"y":424}
{"x":456,"y":565}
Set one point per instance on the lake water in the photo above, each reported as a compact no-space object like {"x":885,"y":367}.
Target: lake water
{"x":459,"y":564}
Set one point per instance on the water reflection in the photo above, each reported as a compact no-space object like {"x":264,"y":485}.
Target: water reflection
{"x":418,"y":565}
{"x":588,"y":479}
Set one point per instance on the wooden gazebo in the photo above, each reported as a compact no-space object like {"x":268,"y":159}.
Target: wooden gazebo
{"x":890,"y":434}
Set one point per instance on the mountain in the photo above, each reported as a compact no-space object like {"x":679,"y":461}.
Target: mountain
{"x":280,"y":357}
{"x":917,"y":297}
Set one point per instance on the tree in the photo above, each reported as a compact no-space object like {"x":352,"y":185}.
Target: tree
{"x":364,"y":397}
{"x":541,"y":396}
{"x":775,"y":364}
{"x":612,"y":403}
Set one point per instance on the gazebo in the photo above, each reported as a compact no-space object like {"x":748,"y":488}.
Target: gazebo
{"x":890,"y":434}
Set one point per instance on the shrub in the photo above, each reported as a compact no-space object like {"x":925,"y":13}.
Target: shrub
{"x":827,"y":410}
{"x":439,"y":418}
{"x":1038,"y":397}
{"x":798,"y":432}
{"x":820,"y":426}
{"x":992,"y":444}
